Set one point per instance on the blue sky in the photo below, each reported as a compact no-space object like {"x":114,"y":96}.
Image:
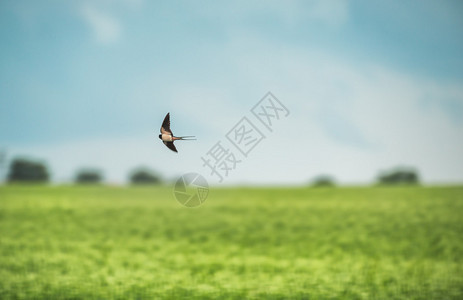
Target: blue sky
{"x":370,"y":85}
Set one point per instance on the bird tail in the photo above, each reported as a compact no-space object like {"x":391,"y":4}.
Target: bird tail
{"x":185,"y":138}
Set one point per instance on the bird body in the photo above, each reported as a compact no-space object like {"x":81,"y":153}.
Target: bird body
{"x":168,"y":137}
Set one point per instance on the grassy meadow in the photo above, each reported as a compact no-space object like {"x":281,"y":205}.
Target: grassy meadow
{"x":243,"y":243}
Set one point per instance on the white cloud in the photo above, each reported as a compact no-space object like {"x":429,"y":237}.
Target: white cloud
{"x":288,"y":13}
{"x":330,"y":12}
{"x":105,"y":27}
{"x":334,"y":12}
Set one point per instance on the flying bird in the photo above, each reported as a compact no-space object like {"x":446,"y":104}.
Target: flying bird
{"x":168,"y":137}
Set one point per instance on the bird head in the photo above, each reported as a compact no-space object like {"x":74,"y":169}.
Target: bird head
{"x":160,"y":136}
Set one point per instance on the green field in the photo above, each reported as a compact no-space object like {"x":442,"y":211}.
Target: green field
{"x":294,"y":243}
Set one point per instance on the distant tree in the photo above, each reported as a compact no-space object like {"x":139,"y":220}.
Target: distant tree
{"x":398,"y":176}
{"x":3,"y":159}
{"x":144,"y":176}
{"x":25,"y":170}
{"x":323,"y":180}
{"x":88,"y":176}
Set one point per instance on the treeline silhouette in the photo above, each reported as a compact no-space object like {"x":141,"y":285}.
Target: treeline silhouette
{"x":28,"y":171}
{"x":33,"y":171}
{"x":394,"y":176}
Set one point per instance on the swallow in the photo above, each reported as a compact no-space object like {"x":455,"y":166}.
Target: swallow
{"x":168,"y":137}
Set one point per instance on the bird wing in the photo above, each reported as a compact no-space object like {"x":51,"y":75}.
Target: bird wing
{"x":171,"y":146}
{"x":165,"y":128}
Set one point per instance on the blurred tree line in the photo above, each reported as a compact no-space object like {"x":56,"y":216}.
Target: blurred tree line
{"x":3,"y":160}
{"x":33,"y":171}
{"x":27,"y":170}
{"x":24,"y":170}
{"x":323,"y":181}
{"x":142,"y":176}
{"x":88,"y":176}
{"x":394,"y":176}
{"x":399,"y":176}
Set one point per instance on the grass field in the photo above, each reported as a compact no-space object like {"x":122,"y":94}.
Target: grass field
{"x":300,"y":243}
